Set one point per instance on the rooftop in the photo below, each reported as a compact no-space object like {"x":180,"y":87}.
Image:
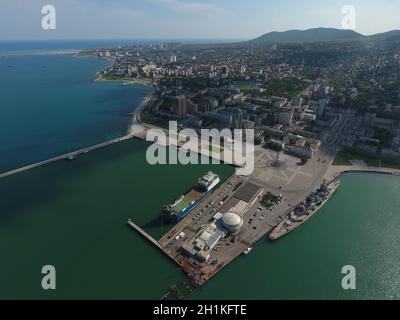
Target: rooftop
{"x":248,"y":192}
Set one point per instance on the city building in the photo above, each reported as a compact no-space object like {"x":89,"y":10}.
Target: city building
{"x":178,"y":105}
{"x":228,"y":221}
{"x":286,"y":118}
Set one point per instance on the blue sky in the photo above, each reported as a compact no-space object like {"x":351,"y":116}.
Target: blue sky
{"x":187,"y":19}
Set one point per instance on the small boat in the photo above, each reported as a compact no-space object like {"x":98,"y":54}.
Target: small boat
{"x":71,"y":157}
{"x":247,"y":251}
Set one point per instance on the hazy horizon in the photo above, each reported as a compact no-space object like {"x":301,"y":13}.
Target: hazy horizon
{"x":187,"y":19}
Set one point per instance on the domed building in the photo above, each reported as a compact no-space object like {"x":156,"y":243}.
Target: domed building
{"x":232,"y":221}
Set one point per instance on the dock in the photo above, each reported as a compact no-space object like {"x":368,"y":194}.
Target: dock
{"x":144,"y":234}
{"x":151,"y":240}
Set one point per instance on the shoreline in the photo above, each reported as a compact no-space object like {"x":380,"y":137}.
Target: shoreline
{"x":143,"y":82}
{"x":128,"y":81}
{"x":136,"y":113}
{"x":146,"y":99}
{"x":335,"y":172}
{"x":332,"y":173}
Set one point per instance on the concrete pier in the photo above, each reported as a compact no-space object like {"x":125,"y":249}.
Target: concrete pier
{"x":145,"y":234}
{"x":68,"y":156}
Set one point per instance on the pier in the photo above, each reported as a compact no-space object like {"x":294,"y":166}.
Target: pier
{"x":144,"y":234}
{"x":68,"y":156}
{"x":152,"y":241}
{"x":136,"y":131}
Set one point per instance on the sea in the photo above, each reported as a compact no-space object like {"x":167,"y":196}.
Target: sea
{"x":51,"y":105}
{"x":72,"y":215}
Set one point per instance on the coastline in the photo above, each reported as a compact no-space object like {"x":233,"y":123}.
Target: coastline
{"x":126,"y":134}
{"x":332,"y":173}
{"x":128,"y":81}
{"x":335,"y":172}
{"x":143,"y":82}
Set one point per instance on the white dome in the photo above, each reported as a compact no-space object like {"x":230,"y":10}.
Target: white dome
{"x":232,"y":221}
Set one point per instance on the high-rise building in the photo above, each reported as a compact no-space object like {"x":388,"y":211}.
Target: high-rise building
{"x":238,"y":119}
{"x":323,"y":103}
{"x":180,"y":106}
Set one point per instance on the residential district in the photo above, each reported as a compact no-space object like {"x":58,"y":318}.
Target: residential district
{"x":311,"y":105}
{"x":291,"y":95}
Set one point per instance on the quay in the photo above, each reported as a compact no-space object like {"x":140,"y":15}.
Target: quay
{"x":306,"y":210}
{"x":237,"y":202}
{"x":335,"y":172}
{"x":236,"y":191}
{"x":196,"y":244}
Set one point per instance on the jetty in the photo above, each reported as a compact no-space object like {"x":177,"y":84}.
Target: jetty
{"x":305,"y":211}
{"x":144,"y":234}
{"x":68,"y":156}
{"x":137,"y":130}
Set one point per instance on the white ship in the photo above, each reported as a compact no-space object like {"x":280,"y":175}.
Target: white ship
{"x":208,"y":182}
{"x":186,"y":203}
{"x":247,"y":251}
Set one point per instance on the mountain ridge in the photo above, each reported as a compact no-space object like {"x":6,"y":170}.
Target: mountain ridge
{"x":318,"y":35}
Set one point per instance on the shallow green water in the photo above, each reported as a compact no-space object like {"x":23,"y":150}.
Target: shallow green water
{"x":73,"y":215}
{"x":359,"y":226}
{"x":50,"y":105}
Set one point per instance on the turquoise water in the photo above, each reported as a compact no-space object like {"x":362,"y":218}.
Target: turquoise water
{"x":73,"y":215}
{"x":50,"y":105}
{"x":359,"y":226}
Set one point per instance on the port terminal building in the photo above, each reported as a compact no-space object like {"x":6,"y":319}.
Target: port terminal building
{"x":228,"y":220}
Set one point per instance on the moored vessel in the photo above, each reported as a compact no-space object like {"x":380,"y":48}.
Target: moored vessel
{"x":186,"y":203}
{"x":247,"y":251}
{"x":305,"y":210}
